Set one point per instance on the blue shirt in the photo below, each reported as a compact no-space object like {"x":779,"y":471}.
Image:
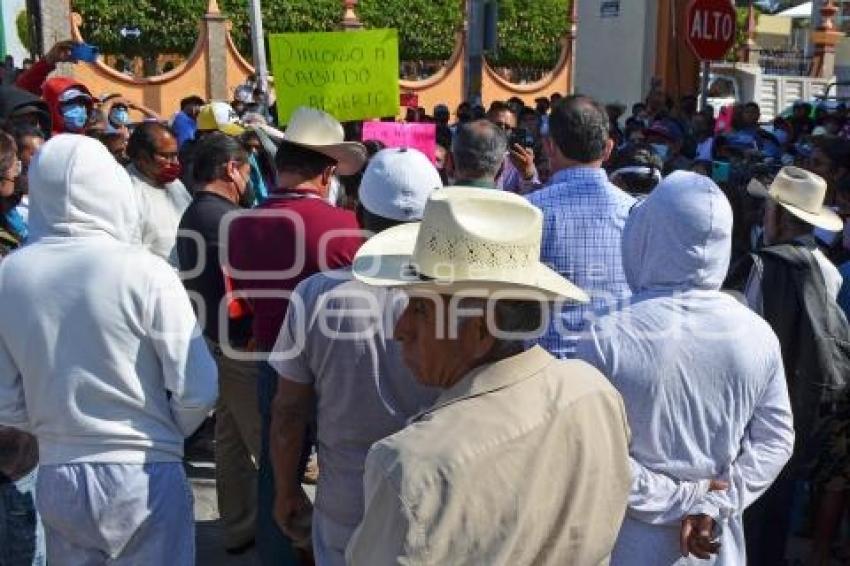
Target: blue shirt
{"x":184,"y":126}
{"x":583,"y":219}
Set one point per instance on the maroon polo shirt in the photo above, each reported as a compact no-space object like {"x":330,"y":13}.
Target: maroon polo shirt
{"x":302,"y":235}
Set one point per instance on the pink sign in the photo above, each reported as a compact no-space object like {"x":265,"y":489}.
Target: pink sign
{"x":394,"y":134}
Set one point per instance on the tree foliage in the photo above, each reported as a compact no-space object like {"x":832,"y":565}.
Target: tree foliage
{"x":426,"y":27}
{"x":22,"y":25}
{"x":530,"y":32}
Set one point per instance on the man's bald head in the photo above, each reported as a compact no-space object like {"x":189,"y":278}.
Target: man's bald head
{"x":478,"y":151}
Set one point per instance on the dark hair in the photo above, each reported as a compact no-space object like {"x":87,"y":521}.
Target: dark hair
{"x":194,"y":99}
{"x":579,"y":127}
{"x":372,"y":222}
{"x":637,"y":155}
{"x":213,"y":153}
{"x":8,"y":151}
{"x":22,"y":131}
{"x":142,"y":141}
{"x":526,"y":111}
{"x":836,"y":149}
{"x":478,"y":150}
{"x":8,"y":156}
{"x":351,"y":183}
{"x":752,"y":104}
{"x":293,"y":158}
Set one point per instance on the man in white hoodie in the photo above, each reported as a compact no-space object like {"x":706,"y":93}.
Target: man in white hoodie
{"x":102,"y":360}
{"x":702,"y":380}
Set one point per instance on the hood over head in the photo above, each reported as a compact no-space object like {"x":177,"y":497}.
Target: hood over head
{"x":77,"y":189}
{"x":14,"y":100}
{"x":680,"y":237}
{"x":51,"y":90}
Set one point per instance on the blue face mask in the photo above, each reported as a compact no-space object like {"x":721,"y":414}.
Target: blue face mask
{"x":120,"y":116}
{"x":75,"y":117}
{"x":662,"y":150}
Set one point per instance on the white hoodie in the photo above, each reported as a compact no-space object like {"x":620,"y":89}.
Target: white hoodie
{"x":100,"y":353}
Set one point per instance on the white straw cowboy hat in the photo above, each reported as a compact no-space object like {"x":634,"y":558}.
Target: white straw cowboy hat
{"x":801,"y":193}
{"x":476,"y":242}
{"x":322,"y":133}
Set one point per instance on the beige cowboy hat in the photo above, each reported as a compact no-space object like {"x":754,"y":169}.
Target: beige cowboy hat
{"x":322,"y":133}
{"x":801,"y":193}
{"x":475,"y":242}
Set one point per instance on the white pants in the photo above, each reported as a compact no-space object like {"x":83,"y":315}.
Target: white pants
{"x":121,"y":514}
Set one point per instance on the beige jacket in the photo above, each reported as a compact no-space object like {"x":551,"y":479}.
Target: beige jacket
{"x":522,"y":462}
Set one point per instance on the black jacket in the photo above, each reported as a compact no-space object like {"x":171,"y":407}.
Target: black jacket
{"x":14,"y":99}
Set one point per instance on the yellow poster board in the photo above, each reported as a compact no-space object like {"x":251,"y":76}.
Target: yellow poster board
{"x":350,"y":75}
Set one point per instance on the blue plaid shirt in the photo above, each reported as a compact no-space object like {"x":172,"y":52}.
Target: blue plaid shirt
{"x":583,"y":219}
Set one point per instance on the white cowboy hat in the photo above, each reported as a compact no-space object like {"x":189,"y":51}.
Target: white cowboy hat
{"x":475,"y":242}
{"x":322,"y":133}
{"x":801,"y":193}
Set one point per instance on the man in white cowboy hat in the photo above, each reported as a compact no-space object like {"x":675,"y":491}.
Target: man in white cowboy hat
{"x":294,"y":234}
{"x":339,"y":364}
{"x":794,"y":287}
{"x":523,"y":459}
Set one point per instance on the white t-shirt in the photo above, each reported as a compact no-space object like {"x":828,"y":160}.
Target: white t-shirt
{"x":160,"y":211}
{"x":338,"y":337}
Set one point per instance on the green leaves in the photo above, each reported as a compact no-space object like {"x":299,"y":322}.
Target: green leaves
{"x":529,"y":30}
{"x":426,"y":27}
{"x":530,"y":33}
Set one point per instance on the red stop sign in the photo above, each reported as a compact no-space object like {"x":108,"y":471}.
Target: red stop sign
{"x":711,"y":28}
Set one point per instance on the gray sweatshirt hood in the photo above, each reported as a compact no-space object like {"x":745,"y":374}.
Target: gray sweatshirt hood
{"x":680,"y":237}
{"x":77,"y":189}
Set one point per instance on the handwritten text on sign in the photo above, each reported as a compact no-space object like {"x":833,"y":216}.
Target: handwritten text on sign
{"x":352,"y":76}
{"x":418,"y":136}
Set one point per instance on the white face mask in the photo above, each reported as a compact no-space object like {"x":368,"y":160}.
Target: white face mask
{"x":334,"y":191}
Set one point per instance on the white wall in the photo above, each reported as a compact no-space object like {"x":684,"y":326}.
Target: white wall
{"x":615,"y":57}
{"x":14,"y":47}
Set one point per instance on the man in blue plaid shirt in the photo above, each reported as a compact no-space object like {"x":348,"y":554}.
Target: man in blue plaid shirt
{"x":584,"y":215}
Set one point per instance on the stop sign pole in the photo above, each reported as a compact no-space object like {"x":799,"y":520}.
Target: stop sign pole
{"x":710,"y":33}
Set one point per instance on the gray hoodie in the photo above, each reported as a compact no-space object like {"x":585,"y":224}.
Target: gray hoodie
{"x":701,"y":376}
{"x":101,"y":357}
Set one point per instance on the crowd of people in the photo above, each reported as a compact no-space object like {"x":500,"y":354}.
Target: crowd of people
{"x":568,"y":337}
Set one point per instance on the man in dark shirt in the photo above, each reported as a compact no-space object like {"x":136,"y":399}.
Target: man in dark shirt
{"x":223,"y":172}
{"x":294,"y":234}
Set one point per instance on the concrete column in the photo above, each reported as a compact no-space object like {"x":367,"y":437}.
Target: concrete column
{"x":55,"y":18}
{"x":615,"y":50}
{"x":216,"y":52}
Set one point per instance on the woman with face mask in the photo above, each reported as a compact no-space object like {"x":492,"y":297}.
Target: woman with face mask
{"x":70,"y":104}
{"x":155,"y":172}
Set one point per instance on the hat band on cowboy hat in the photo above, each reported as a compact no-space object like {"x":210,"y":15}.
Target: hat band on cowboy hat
{"x":320,"y":132}
{"x":801,"y":193}
{"x":475,"y":242}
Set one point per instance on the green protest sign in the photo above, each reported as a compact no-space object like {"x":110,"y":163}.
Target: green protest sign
{"x":350,"y":75}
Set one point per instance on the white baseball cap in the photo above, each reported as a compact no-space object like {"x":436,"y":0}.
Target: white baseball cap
{"x":397,"y":184}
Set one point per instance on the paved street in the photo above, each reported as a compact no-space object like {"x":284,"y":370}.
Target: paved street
{"x":208,"y":531}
